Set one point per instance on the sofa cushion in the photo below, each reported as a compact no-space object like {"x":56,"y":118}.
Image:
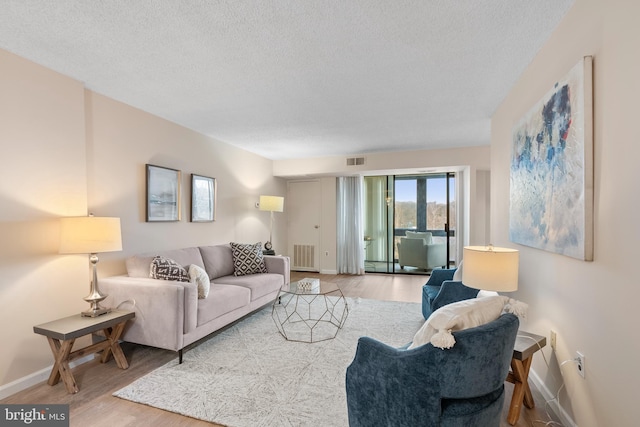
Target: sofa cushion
{"x":218,"y":260}
{"x":427,"y":236}
{"x":259,"y":284}
{"x":200,"y":277}
{"x":167,"y":269}
{"x":247,"y":259}
{"x":222,"y":299}
{"x":138,"y":265}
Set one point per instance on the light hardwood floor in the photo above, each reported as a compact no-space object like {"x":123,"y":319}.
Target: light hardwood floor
{"x":94,"y":405}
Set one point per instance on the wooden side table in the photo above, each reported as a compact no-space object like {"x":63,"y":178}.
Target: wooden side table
{"x":526,"y":345}
{"x":62,"y":333}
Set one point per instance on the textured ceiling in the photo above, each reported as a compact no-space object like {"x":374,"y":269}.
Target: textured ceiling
{"x":295,"y":78}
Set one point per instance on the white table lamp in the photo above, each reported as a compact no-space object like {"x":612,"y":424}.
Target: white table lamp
{"x":490,"y":268}
{"x":91,"y":235}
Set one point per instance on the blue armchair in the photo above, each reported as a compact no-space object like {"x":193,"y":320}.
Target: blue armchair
{"x":427,"y":386}
{"x":441,"y":290}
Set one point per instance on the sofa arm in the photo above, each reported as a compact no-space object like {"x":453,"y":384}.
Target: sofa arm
{"x":386,"y":386}
{"x":451,"y":292}
{"x":432,"y":288}
{"x":165,"y":310}
{"x":439,"y":275}
{"x":436,"y":254}
{"x":279,"y":265}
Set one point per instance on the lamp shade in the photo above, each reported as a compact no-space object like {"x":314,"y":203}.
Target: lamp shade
{"x":491,"y":269}
{"x":272,"y":203}
{"x":90,"y":235}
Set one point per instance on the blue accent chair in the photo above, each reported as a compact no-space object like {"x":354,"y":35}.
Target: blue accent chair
{"x":441,"y":290}
{"x":426,"y":386}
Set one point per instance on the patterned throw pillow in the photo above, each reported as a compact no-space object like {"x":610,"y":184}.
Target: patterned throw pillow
{"x":247,"y":259}
{"x":167,"y":269}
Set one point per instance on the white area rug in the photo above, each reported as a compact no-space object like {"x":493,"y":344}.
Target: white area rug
{"x":249,"y":375}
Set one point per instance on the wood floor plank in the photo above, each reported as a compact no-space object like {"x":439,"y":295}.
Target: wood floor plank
{"x":94,"y":405}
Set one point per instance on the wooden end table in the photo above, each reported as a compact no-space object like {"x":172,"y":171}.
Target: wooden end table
{"x":62,"y":333}
{"x":526,"y":345}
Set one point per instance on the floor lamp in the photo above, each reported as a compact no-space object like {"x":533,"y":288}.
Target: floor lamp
{"x":271,"y":204}
{"x":91,"y":235}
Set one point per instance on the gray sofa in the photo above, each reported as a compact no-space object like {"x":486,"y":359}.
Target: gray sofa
{"x":169,"y":314}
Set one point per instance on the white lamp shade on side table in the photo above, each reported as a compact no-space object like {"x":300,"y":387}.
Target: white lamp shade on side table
{"x":91,"y":235}
{"x":490,"y":268}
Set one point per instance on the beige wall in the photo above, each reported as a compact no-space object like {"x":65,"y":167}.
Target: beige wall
{"x":123,"y":139}
{"x":590,"y":305}
{"x":68,"y":151}
{"x":43,"y":177}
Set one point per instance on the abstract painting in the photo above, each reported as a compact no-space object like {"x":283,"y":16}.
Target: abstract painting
{"x":551,"y":181}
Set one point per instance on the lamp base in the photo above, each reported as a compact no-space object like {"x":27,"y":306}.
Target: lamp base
{"x":95,"y":296}
{"x":269,"y":252}
{"x":95,"y":312}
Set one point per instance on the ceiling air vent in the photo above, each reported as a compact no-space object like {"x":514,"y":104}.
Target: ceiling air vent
{"x":355,"y":161}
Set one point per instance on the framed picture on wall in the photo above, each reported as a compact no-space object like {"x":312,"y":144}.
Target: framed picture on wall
{"x":203,"y":198}
{"x":551,"y":191}
{"x":163,"y":194}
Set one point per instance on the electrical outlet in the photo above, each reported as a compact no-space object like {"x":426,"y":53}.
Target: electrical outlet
{"x":552,"y":338}
{"x":580,"y":364}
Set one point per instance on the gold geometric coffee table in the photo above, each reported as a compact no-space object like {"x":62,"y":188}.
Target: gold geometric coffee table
{"x":310,"y":315}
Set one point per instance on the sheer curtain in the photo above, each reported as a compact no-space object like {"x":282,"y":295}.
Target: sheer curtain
{"x":350,"y":230}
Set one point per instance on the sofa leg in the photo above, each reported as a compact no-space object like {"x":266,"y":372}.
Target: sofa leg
{"x":180,"y":357}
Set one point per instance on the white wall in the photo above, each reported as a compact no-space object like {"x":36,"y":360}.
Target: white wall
{"x":329,"y":226}
{"x":382,"y":163}
{"x":68,"y":151}
{"x":482,"y":231}
{"x":591,"y":305}
{"x":472,"y":163}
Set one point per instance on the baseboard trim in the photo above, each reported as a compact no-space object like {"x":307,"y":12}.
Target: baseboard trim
{"x":30,"y":380}
{"x":558,"y":410}
{"x":328,"y":272}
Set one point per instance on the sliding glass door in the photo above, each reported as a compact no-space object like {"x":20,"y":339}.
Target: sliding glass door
{"x":378,"y":214}
{"x":401,"y":207}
